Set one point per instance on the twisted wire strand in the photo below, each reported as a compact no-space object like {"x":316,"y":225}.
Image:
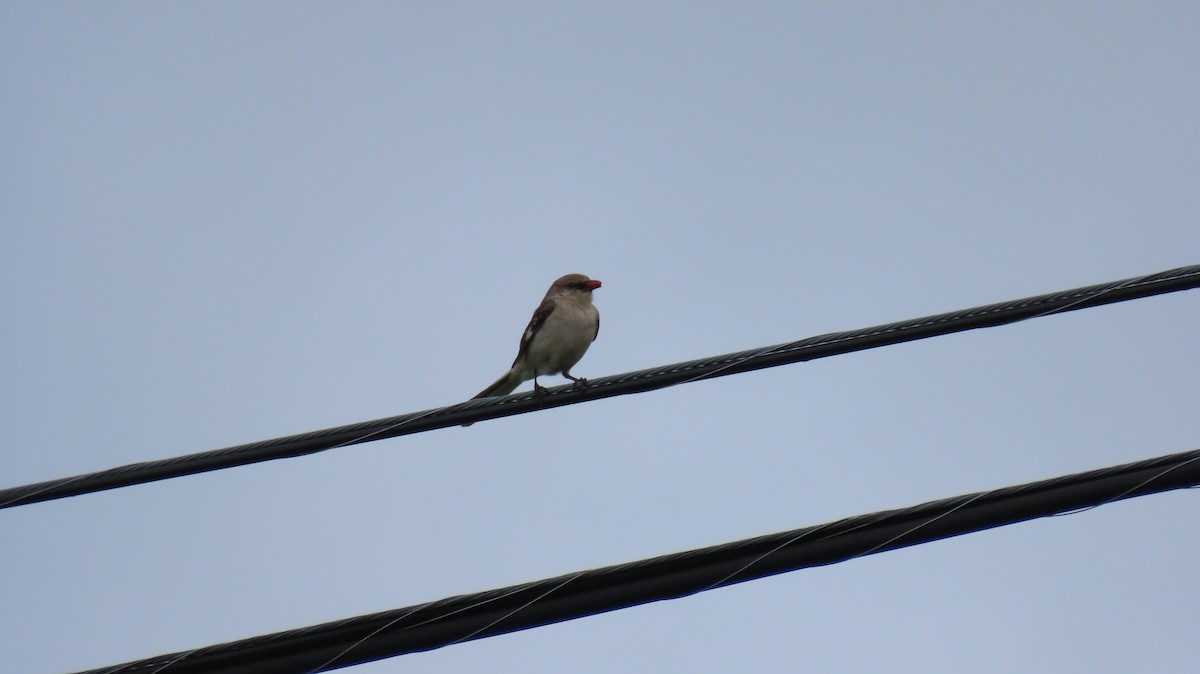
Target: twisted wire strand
{"x":649,"y":379}
{"x":461,"y":618}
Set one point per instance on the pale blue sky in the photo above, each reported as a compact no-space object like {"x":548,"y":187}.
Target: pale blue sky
{"x":224,"y":222}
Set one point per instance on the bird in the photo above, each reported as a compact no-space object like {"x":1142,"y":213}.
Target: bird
{"x":562,"y":328}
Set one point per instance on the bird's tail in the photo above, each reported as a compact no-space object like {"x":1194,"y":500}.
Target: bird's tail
{"x":501,"y":387}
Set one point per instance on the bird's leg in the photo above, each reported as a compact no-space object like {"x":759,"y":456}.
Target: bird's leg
{"x":579,"y":381}
{"x":538,"y":389}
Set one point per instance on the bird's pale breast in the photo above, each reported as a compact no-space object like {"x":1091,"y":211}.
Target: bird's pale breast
{"x":564,"y":338}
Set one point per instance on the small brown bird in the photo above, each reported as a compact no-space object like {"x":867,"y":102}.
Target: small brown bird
{"x":560,"y":332}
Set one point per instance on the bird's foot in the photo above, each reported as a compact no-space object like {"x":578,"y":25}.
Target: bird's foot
{"x":538,"y":389}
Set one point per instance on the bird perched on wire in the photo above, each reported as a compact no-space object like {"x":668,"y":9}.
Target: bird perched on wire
{"x":560,"y":332}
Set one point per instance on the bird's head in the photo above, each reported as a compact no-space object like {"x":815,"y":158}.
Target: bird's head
{"x":576,"y":285}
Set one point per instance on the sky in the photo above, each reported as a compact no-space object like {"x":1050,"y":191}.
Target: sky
{"x":226,"y":222}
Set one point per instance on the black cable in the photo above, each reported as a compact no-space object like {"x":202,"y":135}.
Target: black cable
{"x":473,"y":616}
{"x":471,"y":411}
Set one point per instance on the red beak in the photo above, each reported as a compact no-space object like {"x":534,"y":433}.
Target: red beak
{"x":593,"y":284}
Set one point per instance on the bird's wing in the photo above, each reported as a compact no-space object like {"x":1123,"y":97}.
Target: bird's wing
{"x":539,"y":319}
{"x":597,"y":331}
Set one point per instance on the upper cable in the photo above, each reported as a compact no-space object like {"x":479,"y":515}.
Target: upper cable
{"x":821,"y":346}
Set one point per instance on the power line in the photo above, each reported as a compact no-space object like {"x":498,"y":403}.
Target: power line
{"x":474,"y":616}
{"x":821,"y":346}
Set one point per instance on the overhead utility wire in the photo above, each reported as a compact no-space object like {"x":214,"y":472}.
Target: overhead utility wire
{"x":453,"y":620}
{"x":821,"y":346}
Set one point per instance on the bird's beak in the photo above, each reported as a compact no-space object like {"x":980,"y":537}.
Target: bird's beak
{"x":593,"y":284}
